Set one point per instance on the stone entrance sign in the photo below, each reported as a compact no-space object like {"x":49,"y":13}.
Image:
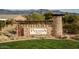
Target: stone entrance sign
{"x":38,"y":31}
{"x":47,"y":28}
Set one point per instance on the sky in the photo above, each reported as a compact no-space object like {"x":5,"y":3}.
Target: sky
{"x":41,"y":4}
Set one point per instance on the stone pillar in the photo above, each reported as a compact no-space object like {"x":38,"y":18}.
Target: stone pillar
{"x":17,"y":31}
{"x":58,"y":30}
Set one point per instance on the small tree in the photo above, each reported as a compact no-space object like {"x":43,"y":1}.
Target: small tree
{"x":28,"y":17}
{"x":10,"y":22}
{"x":71,"y":24}
{"x":2,"y":24}
{"x":37,"y":16}
{"x":48,"y":16}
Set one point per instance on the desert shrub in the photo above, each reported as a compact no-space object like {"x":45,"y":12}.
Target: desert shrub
{"x":71,"y":24}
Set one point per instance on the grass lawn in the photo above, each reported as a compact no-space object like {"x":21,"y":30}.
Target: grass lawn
{"x":40,"y":44}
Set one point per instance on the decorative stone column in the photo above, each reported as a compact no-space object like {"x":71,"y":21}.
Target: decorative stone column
{"x":18,"y":30}
{"x":57,"y":22}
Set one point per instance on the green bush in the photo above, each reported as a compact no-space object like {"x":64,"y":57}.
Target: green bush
{"x":2,"y":24}
{"x":71,"y":24}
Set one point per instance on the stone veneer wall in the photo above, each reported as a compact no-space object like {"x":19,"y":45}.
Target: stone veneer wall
{"x":28,"y":26}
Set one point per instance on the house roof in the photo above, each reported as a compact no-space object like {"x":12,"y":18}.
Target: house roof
{"x":20,"y":18}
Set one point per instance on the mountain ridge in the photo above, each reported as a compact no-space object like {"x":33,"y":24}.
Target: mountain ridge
{"x":30,"y":11}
